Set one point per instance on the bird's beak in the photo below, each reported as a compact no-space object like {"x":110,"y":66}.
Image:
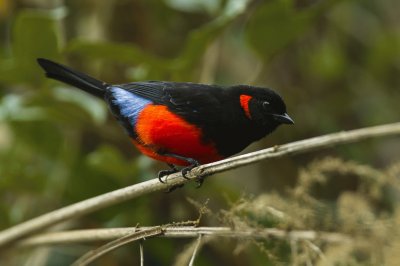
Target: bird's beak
{"x":284,"y":119}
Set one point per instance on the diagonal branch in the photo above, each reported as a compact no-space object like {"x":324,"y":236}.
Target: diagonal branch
{"x":90,"y":205}
{"x":131,"y":236}
{"x":196,"y":249}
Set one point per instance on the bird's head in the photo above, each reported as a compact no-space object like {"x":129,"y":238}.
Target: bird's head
{"x":263,"y":106}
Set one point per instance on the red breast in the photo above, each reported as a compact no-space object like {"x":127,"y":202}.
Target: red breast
{"x":161,"y":131}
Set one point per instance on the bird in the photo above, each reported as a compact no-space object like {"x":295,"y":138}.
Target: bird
{"x":182,"y":123}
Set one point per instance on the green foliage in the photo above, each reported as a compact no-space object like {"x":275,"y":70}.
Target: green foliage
{"x":334,"y":62}
{"x":275,"y":25}
{"x":177,"y":68}
{"x":35,"y":34}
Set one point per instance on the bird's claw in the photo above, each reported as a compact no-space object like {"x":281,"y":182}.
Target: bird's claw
{"x":193,"y":163}
{"x":186,"y":170}
{"x":200,"y":181}
{"x":163,"y":173}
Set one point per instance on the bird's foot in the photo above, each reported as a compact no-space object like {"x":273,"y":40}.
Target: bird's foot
{"x":163,"y":173}
{"x":200,"y":181}
{"x":186,"y":170}
{"x":192,"y":164}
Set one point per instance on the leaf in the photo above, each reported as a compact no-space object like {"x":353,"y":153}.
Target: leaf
{"x":108,"y":160}
{"x":12,"y":108}
{"x":209,"y":6}
{"x":192,"y":50}
{"x":35,"y":33}
{"x":275,"y":25}
{"x":93,"y":106}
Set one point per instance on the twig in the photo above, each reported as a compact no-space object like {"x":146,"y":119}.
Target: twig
{"x":141,"y":253}
{"x":196,"y":248}
{"x":95,"y":235}
{"x":293,"y":249}
{"x":90,"y":205}
{"x":132,"y":236}
{"x":316,"y":249}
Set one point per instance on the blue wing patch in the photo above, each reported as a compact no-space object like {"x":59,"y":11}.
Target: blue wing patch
{"x":130,"y":105}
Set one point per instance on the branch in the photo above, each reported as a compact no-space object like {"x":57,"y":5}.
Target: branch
{"x":90,"y":205}
{"x":196,"y":248}
{"x":96,"y":235}
{"x":141,"y":253}
{"x":131,"y":236}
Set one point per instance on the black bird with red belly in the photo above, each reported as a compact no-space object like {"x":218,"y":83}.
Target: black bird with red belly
{"x":184,"y":124}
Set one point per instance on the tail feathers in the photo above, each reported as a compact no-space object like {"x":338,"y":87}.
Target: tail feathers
{"x":73,"y":77}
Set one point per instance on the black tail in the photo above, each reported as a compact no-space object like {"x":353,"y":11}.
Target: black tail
{"x":73,"y":77}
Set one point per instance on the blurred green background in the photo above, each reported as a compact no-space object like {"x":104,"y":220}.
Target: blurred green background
{"x":335,"y":62}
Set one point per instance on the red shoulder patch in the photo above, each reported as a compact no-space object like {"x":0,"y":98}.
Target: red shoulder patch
{"x":244,"y":102}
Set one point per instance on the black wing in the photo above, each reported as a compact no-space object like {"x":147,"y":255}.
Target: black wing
{"x":198,"y":103}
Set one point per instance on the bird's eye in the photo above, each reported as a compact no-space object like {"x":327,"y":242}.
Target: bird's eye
{"x":265,"y":104}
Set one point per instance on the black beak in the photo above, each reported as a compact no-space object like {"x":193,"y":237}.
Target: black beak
{"x":284,"y":119}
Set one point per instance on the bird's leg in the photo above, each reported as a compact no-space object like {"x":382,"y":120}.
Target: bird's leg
{"x":163,"y":173}
{"x":192,"y":163}
{"x":168,"y":172}
{"x":200,"y":181}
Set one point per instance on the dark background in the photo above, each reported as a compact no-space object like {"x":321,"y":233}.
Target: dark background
{"x":336,"y":64}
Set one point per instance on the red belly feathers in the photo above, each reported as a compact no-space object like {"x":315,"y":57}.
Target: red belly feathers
{"x":158,"y":129}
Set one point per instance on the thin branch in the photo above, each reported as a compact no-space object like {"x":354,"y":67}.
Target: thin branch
{"x":294,"y":252}
{"x":141,"y":253}
{"x":90,"y":205}
{"x":131,"y":236}
{"x":95,"y":235}
{"x":316,"y":249}
{"x":196,"y":248}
